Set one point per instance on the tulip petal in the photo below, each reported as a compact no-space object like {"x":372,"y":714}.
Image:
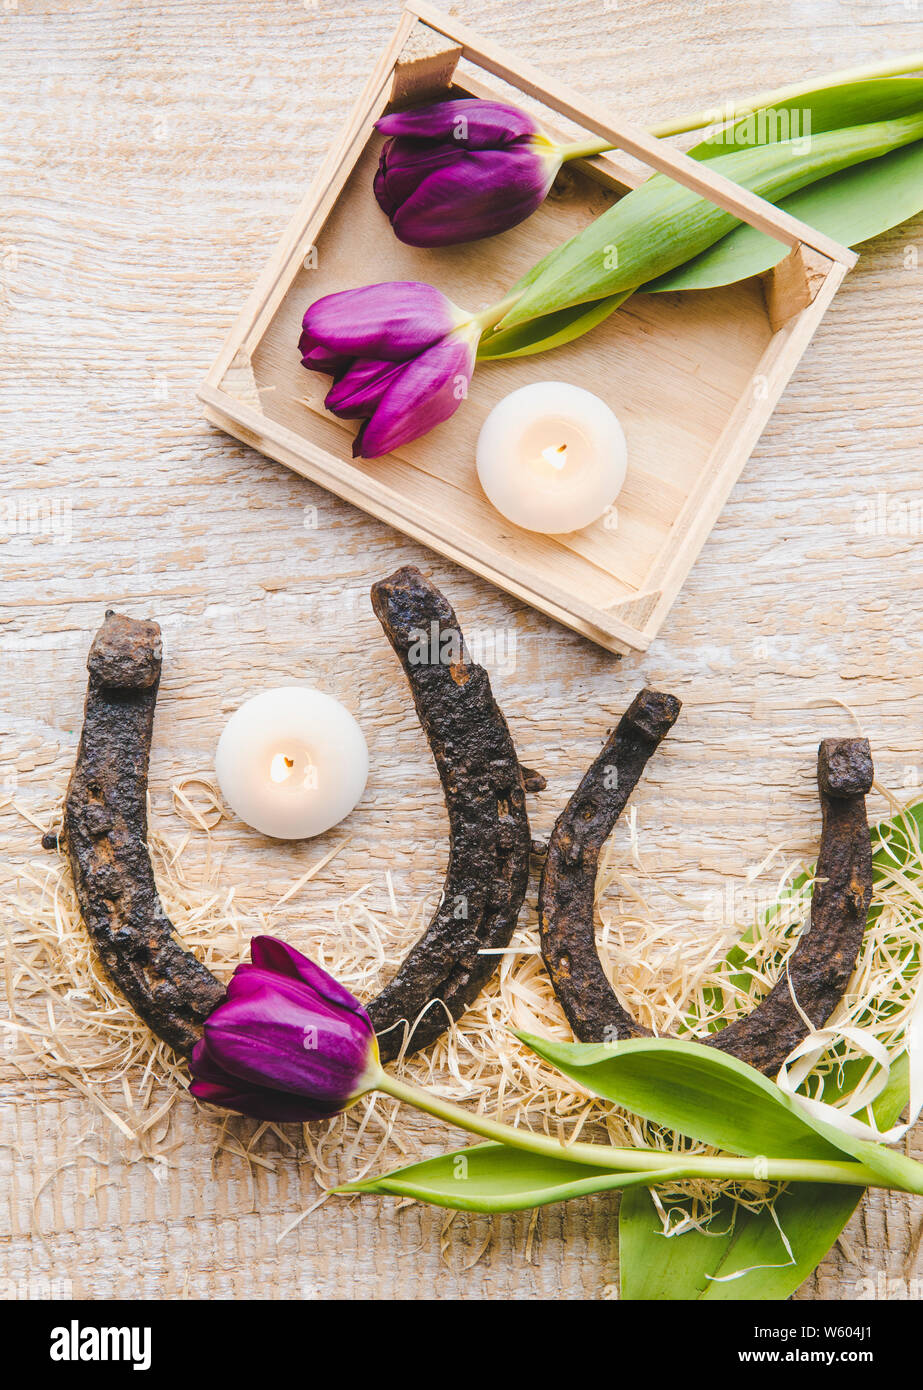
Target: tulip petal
{"x":402,"y":167}
{"x":320,"y":359}
{"x":211,"y":1083}
{"x":479,"y":195}
{"x":250,"y":981}
{"x":423,"y":394}
{"x":277,"y":1106}
{"x":473,"y":123}
{"x":269,"y":953}
{"x":358,"y":391}
{"x":390,"y":322}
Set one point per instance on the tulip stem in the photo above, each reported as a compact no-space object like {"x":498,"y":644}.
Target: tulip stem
{"x":731,"y":111}
{"x":585,"y":149}
{"x":652,"y":1161}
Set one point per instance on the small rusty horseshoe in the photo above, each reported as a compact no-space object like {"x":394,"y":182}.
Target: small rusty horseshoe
{"x":819,"y":967}
{"x":105,"y":827}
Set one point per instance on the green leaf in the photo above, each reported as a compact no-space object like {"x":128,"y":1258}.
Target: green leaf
{"x":661,"y":224}
{"x":694,"y":1090}
{"x":851,"y":206}
{"x":549,"y":331}
{"x":812,"y":1215}
{"x":708,"y":1095}
{"x":811,"y":113}
{"x":494,"y":1177}
{"x":893,"y":841}
{"x":695,"y":1265}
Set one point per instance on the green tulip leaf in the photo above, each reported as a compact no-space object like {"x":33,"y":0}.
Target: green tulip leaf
{"x":549,"y":331}
{"x":811,"y":113}
{"x":739,"y":1243}
{"x":494,"y":1178}
{"x":851,"y":206}
{"x":662,"y":224}
{"x":710,"y":1096}
{"x":698,"y":1264}
{"x":695,"y":1090}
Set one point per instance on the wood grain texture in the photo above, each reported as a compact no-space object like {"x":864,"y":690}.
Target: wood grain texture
{"x":151,"y":156}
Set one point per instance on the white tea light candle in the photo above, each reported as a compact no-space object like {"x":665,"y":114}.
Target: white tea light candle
{"x":292,"y":762}
{"x":551,"y":457}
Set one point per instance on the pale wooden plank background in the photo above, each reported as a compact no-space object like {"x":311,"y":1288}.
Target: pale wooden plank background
{"x":151,"y":155}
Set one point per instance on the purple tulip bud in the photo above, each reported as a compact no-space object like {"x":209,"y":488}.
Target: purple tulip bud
{"x":462,"y":170}
{"x":401,"y":356}
{"x":288,"y":1042}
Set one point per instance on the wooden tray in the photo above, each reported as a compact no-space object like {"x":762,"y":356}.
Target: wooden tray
{"x":693,"y":377}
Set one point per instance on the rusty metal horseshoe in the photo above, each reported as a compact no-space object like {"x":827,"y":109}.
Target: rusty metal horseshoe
{"x":105,"y":827}
{"x":105,"y":836}
{"x":484,"y":787}
{"x":819,"y":967}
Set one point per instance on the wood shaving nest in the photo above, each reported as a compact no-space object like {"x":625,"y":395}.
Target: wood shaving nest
{"x":64,"y":1020}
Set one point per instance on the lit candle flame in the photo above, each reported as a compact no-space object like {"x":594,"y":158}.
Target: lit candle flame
{"x":557,"y":457}
{"x":281,"y":767}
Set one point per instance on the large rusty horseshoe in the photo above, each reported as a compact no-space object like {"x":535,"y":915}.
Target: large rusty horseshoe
{"x":105,"y":827}
{"x":105,"y":835}
{"x":819,"y":967}
{"x":484,"y":787}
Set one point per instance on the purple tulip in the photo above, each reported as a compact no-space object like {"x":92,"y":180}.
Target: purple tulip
{"x":288,"y":1042}
{"x":461,"y":170}
{"x":401,"y":356}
